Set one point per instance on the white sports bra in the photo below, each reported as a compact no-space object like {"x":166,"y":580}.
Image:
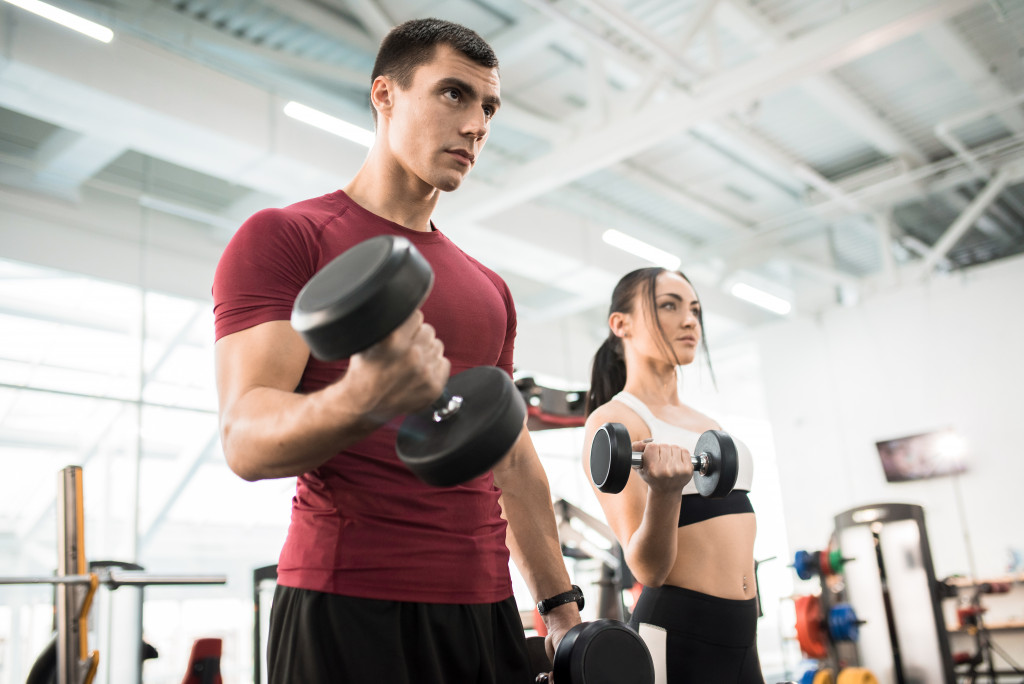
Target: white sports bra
{"x":667,"y":433}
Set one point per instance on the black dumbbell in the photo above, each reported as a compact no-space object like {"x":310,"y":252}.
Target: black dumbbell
{"x":357,"y":300}
{"x":600,"y":652}
{"x":715,"y":461}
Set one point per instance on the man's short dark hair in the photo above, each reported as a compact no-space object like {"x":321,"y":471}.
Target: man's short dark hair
{"x":414,"y":42}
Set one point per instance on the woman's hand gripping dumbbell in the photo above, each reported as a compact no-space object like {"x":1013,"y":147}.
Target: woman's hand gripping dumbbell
{"x":715,"y":461}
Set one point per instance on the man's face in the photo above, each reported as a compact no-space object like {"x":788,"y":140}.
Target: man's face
{"x":438,"y":126}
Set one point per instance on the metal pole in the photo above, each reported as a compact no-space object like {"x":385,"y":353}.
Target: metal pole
{"x":72,"y":599}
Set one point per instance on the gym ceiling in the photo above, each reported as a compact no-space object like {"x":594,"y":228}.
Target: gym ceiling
{"x":818,"y":150}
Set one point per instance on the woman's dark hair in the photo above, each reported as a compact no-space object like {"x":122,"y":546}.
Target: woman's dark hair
{"x":608,"y":373}
{"x":414,"y":42}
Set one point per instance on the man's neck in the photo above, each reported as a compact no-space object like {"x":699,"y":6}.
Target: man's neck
{"x":389,"y":191}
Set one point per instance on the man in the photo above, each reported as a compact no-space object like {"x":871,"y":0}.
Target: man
{"x":383,"y":578}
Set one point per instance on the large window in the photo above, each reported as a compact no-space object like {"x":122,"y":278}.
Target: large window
{"x":120,"y":381}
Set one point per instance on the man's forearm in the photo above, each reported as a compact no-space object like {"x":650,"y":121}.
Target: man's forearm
{"x":270,"y":433}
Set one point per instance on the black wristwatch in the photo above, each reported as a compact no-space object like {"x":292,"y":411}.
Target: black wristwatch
{"x":574,"y":594}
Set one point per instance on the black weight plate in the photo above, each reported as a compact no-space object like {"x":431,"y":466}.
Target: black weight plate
{"x":724,"y":467}
{"x":602,"y":652}
{"x":361,"y":296}
{"x":474,"y":439}
{"x":611,"y":458}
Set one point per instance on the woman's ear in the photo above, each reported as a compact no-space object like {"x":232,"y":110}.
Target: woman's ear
{"x":619,"y":323}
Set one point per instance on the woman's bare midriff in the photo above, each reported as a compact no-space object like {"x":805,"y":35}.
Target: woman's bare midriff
{"x":715,"y":557}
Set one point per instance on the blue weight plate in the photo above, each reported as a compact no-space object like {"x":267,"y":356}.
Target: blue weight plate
{"x":842,"y":623}
{"x":805,"y":564}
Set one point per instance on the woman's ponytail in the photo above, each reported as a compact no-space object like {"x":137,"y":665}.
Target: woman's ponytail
{"x":608,"y":374}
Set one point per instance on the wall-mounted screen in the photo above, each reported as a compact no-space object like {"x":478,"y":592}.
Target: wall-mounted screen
{"x":917,"y":457}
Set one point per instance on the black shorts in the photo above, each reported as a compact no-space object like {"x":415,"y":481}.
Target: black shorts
{"x":319,"y":638}
{"x":695,"y":638}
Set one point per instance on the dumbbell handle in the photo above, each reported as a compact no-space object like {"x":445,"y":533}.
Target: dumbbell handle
{"x":701,"y":462}
{"x":446,"y":406}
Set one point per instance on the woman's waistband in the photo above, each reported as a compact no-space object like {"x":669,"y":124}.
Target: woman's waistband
{"x":727,"y":622}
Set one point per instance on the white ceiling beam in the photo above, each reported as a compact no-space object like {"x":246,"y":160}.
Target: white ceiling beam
{"x":522,"y":119}
{"x":71,"y":158}
{"x":886,"y":233}
{"x":964,"y":222}
{"x":990,"y":222}
{"x":858,"y":116}
{"x":240,"y":52}
{"x":218,"y":125}
{"x":698,"y":18}
{"x":638,"y":65}
{"x":889,"y":191}
{"x":373,"y":17}
{"x":946,"y":130}
{"x":714,"y":47}
{"x":716,"y":215}
{"x":620,"y":21}
{"x":597,"y":87}
{"x":861,"y":32}
{"x":827,"y":90}
{"x":324,"y":20}
{"x":969,"y":66}
{"x":824,"y":273}
{"x":525,"y":38}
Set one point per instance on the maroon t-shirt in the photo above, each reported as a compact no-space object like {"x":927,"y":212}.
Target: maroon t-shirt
{"x":362,"y":524}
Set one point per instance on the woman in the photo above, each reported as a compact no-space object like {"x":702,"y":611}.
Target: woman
{"x":694,"y":556}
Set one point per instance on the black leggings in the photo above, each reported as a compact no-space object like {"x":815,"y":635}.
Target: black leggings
{"x":318,"y":638}
{"x":698,"y":638}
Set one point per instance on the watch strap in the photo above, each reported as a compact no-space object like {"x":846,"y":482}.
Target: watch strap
{"x":574,"y":595}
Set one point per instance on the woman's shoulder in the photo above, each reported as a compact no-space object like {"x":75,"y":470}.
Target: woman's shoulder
{"x":702,"y":421}
{"x":617,"y":412}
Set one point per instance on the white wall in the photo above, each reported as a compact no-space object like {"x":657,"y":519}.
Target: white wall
{"x":946,"y":353}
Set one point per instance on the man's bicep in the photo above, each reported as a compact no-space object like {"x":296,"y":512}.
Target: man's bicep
{"x":270,"y":355}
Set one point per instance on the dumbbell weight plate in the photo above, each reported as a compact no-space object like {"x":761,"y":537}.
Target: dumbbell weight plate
{"x":809,"y":627}
{"x":836,"y":562}
{"x":611,"y":458}
{"x":472,"y":440}
{"x":361,"y":297}
{"x":856,"y":675}
{"x":602,"y":652}
{"x":805,"y":564}
{"x":724,"y":467}
{"x":823,"y":677}
{"x":842,"y":623}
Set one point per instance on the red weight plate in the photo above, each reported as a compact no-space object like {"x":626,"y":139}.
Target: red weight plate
{"x":809,"y":627}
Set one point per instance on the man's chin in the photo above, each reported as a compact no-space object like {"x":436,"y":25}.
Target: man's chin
{"x":449,"y":183}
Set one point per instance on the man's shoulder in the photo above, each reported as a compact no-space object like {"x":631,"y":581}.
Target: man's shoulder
{"x":312,"y":211}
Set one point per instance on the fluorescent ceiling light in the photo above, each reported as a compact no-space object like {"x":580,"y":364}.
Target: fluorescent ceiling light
{"x":66,"y":19}
{"x":642,"y":249}
{"x":761,"y":298}
{"x":331,"y":124}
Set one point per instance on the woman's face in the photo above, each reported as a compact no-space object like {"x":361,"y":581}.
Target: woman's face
{"x":677,"y":322}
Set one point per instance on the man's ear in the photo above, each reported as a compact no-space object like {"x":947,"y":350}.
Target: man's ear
{"x":382,"y":93}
